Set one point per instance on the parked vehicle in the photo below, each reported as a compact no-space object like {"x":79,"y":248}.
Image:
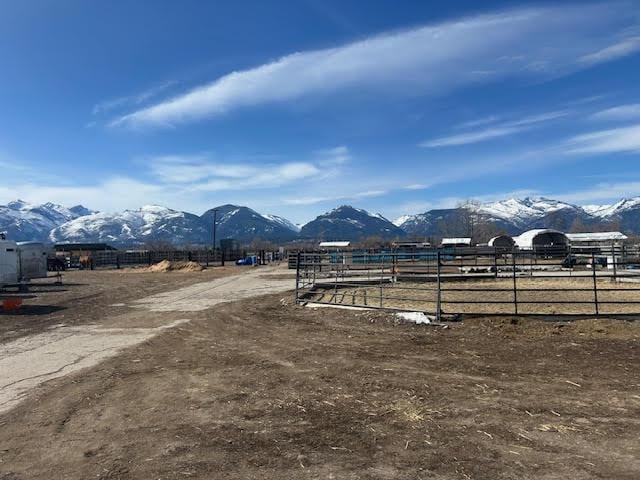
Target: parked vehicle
{"x":9,"y":266}
{"x":32,"y":260}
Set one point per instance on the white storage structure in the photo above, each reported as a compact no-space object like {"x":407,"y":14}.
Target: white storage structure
{"x":543,"y":240}
{"x":597,"y":238}
{"x":456,"y":242}
{"x":32,"y":260}
{"x":502,"y":241}
{"x":9,"y":264}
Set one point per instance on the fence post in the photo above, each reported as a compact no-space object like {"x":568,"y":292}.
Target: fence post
{"x":595,"y":282}
{"x":439,"y":291}
{"x":614,"y":257}
{"x":381,"y":277}
{"x":495,"y":262}
{"x":335,"y":287}
{"x":298,"y":277}
{"x":394,"y":262}
{"x":515,"y":285}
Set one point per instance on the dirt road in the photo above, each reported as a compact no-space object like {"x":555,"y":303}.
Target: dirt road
{"x":31,"y":360}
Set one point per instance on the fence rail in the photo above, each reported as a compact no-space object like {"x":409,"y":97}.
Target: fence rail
{"x":117,"y":259}
{"x":450,"y":281}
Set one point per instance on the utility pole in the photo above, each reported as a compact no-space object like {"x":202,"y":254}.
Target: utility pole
{"x":215,"y":223}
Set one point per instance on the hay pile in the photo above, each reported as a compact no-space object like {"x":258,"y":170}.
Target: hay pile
{"x":168,"y":266}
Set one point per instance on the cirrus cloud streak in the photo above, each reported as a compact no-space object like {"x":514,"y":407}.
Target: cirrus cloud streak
{"x":548,"y":41}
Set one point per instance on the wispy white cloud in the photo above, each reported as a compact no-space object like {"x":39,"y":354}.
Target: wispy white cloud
{"x":471,"y":137}
{"x":619,"y":49}
{"x":416,"y":186}
{"x":112,"y":194}
{"x":333,"y":156}
{"x":310,"y":200}
{"x":617,"y":140}
{"x":129,"y":100}
{"x":203,"y":174}
{"x":479,"y":122}
{"x":500,"y":130}
{"x":601,"y":192}
{"x":629,"y":111}
{"x":533,"y":41}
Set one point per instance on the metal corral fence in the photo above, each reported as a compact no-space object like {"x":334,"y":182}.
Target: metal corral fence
{"x":117,"y":259}
{"x":454,"y":281}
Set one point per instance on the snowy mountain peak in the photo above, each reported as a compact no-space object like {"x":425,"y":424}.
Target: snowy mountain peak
{"x":621,"y":206}
{"x":523,"y":210}
{"x":402,"y":219}
{"x":17,"y":204}
{"x":282,"y":221}
{"x":24,"y":221}
{"x":348,"y":223}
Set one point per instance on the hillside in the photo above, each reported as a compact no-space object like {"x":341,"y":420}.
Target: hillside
{"x":349,"y":223}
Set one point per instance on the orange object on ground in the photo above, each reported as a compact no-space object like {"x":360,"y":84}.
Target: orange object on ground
{"x":11,"y":304}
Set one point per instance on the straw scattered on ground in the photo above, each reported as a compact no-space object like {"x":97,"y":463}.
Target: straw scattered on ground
{"x":169,"y":266}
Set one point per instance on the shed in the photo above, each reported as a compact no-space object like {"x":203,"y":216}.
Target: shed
{"x":543,"y":239}
{"x":410,"y":246}
{"x":502,"y":241}
{"x":597,"y":238}
{"x":456,"y":242}
{"x":334,"y":244}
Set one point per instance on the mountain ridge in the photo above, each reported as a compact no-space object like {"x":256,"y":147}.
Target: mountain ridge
{"x":152,"y":223}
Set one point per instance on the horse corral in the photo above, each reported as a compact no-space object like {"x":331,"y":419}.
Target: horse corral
{"x":480,"y":280}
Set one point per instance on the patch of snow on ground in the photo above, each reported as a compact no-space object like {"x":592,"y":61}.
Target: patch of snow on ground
{"x":415,"y":317}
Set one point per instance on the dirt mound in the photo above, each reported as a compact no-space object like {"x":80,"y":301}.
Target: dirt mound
{"x":168,"y":266}
{"x":605,"y":327}
{"x":537,"y":328}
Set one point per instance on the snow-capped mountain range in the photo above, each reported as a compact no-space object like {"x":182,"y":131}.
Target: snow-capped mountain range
{"x":54,"y":223}
{"x":23,"y":221}
{"x":515,"y":215}
{"x":349,"y":223}
{"x":149,"y":223}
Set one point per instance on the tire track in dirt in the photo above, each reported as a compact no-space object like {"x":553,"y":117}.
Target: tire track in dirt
{"x":30,"y":361}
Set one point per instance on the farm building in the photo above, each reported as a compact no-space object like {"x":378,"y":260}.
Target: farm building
{"x":597,"y":238}
{"x":502,"y":241}
{"x":334,"y":245}
{"x":543,"y":240}
{"x":456,"y":242}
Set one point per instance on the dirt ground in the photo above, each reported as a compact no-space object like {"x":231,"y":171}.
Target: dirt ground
{"x":261,"y":389}
{"x":86,"y":296}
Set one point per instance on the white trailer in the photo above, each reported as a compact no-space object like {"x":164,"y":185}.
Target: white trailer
{"x":9,"y":263}
{"x":32,"y":261}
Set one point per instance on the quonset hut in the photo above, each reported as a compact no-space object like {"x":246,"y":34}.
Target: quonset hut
{"x":543,"y":240}
{"x":502,"y":241}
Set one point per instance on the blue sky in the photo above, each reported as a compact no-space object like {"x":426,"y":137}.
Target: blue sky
{"x":295,"y":107}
